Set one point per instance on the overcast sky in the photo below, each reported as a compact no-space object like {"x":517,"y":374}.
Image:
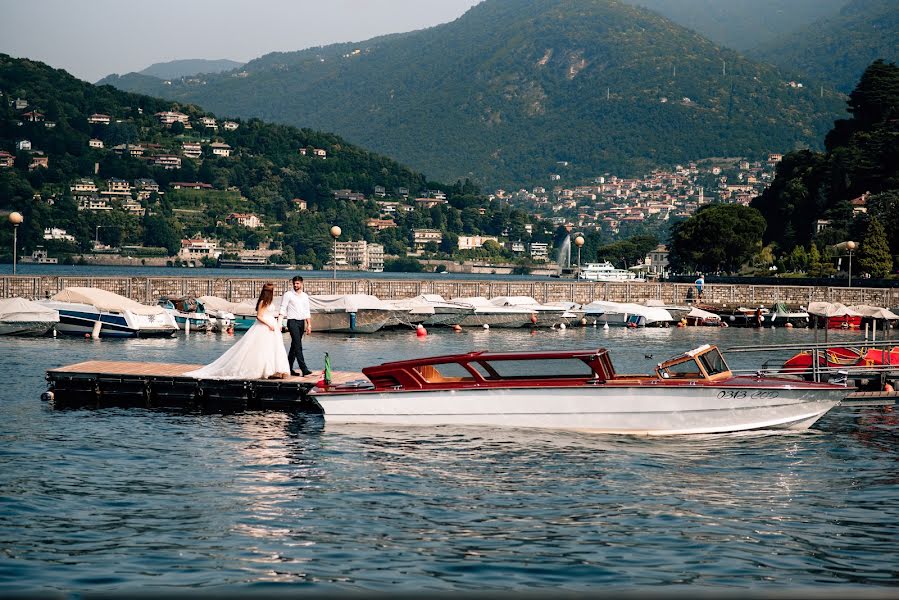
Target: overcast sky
{"x":94,"y":38}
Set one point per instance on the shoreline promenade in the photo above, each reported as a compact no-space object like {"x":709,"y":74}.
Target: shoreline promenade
{"x":148,"y":290}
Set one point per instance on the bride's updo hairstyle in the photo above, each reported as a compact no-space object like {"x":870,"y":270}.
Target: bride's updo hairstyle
{"x":266,"y":295}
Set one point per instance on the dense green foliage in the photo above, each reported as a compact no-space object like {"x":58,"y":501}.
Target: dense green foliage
{"x":719,"y":237}
{"x":837,"y":49}
{"x":874,"y":254}
{"x":861,"y":162}
{"x":264,"y":174}
{"x":743,"y":24}
{"x":515,"y":88}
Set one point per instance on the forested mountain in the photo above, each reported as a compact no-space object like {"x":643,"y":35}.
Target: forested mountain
{"x":852,"y":184}
{"x":191,"y":66}
{"x":744,"y":24}
{"x":837,"y":49}
{"x":515,"y":91}
{"x":57,"y":132}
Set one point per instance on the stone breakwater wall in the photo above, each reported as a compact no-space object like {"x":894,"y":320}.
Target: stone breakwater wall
{"x":148,"y":290}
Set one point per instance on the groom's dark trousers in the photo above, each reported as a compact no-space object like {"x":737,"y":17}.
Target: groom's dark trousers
{"x":296,"y":327}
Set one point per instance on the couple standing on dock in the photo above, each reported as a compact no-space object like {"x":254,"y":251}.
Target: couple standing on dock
{"x":260,"y":354}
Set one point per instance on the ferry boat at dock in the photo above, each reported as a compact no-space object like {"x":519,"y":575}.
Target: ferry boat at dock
{"x":604,"y":271}
{"x":692,"y":393}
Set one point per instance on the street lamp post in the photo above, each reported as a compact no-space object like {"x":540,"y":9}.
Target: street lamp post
{"x":16,"y":219}
{"x":579,"y":241}
{"x":848,"y":247}
{"x":335,"y":233}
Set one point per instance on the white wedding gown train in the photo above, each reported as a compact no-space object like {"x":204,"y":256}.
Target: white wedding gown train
{"x":258,"y":355}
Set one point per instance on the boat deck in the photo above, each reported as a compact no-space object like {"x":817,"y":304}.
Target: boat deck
{"x":104,"y":383}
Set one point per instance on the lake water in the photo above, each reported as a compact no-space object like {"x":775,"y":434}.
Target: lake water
{"x":121,"y":500}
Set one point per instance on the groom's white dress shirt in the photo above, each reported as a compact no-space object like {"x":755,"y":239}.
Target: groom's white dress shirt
{"x":295,"y":306}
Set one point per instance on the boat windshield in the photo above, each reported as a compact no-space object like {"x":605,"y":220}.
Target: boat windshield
{"x":687,"y":369}
{"x":713,"y":362}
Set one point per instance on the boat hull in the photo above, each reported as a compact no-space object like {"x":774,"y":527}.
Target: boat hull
{"x":81,"y":321}
{"x":29,"y":328}
{"x":633,"y":410}
{"x":362,"y":321}
{"x":510,"y":320}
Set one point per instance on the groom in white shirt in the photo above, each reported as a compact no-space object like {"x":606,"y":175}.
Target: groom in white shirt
{"x":295,"y":306}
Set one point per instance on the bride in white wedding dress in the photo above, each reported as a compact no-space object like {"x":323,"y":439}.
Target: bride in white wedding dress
{"x":260,"y":354}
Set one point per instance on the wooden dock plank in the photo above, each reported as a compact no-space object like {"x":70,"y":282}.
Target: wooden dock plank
{"x":156,"y":369}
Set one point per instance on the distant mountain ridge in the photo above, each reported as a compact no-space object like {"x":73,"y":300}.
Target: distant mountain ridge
{"x":515,"y":92}
{"x":839,"y":48}
{"x":191,"y":66}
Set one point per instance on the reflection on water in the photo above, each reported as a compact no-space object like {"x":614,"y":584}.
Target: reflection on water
{"x":116,"y":499}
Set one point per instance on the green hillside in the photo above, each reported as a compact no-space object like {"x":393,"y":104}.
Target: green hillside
{"x":838,"y":49}
{"x":743,"y":24}
{"x":515,"y":91}
{"x":269,"y":167}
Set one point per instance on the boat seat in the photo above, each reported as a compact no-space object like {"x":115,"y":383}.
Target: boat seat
{"x":432,"y":375}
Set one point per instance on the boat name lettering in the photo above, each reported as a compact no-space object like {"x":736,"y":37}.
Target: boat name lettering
{"x":765,"y":394}
{"x":732,"y":394}
{"x":740,"y":394}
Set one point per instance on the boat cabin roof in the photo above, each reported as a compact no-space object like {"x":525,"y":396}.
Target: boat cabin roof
{"x":535,"y":369}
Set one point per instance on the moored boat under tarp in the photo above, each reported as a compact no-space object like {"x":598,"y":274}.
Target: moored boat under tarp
{"x":240,"y":315}
{"x":352,"y":313}
{"x":623,"y":313}
{"x":491,"y":315}
{"x":834,"y":315}
{"x":547,"y":316}
{"x":697,"y":316}
{"x":84,"y":310}
{"x":19,"y":316}
{"x":780,"y":316}
{"x":873,"y":314}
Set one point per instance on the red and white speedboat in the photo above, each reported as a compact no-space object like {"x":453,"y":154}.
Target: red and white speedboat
{"x":579,"y":390}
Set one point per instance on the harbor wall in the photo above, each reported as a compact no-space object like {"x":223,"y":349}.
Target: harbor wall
{"x":148,"y":290}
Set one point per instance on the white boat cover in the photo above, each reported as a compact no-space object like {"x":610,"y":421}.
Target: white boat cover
{"x":831,"y":309}
{"x":522,"y":302}
{"x":346,"y":303}
{"x":108,"y":301}
{"x":245,"y":308}
{"x":417,"y":305}
{"x":20,"y":310}
{"x":876,"y":312}
{"x":698,"y":313}
{"x":651,"y":313}
{"x":482,"y":304}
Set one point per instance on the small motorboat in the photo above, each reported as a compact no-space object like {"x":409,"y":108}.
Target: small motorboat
{"x":92,"y":311}
{"x":781,"y":316}
{"x":547,"y":316}
{"x":629,"y":314}
{"x":487,"y":313}
{"x":743,"y":316}
{"x":834,"y":315}
{"x":352,"y":313}
{"x":189,"y":312}
{"x":19,"y":316}
{"x":840,"y":357}
{"x":694,"y":392}
{"x":431,"y":310}
{"x":872,"y":315}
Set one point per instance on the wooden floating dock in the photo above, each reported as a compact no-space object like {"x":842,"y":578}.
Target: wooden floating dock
{"x":103,"y":383}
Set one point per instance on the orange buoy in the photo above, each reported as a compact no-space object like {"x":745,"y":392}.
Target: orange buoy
{"x":534,"y":319}
{"x":887,"y":387}
{"x":420,"y":331}
{"x":457,"y":327}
